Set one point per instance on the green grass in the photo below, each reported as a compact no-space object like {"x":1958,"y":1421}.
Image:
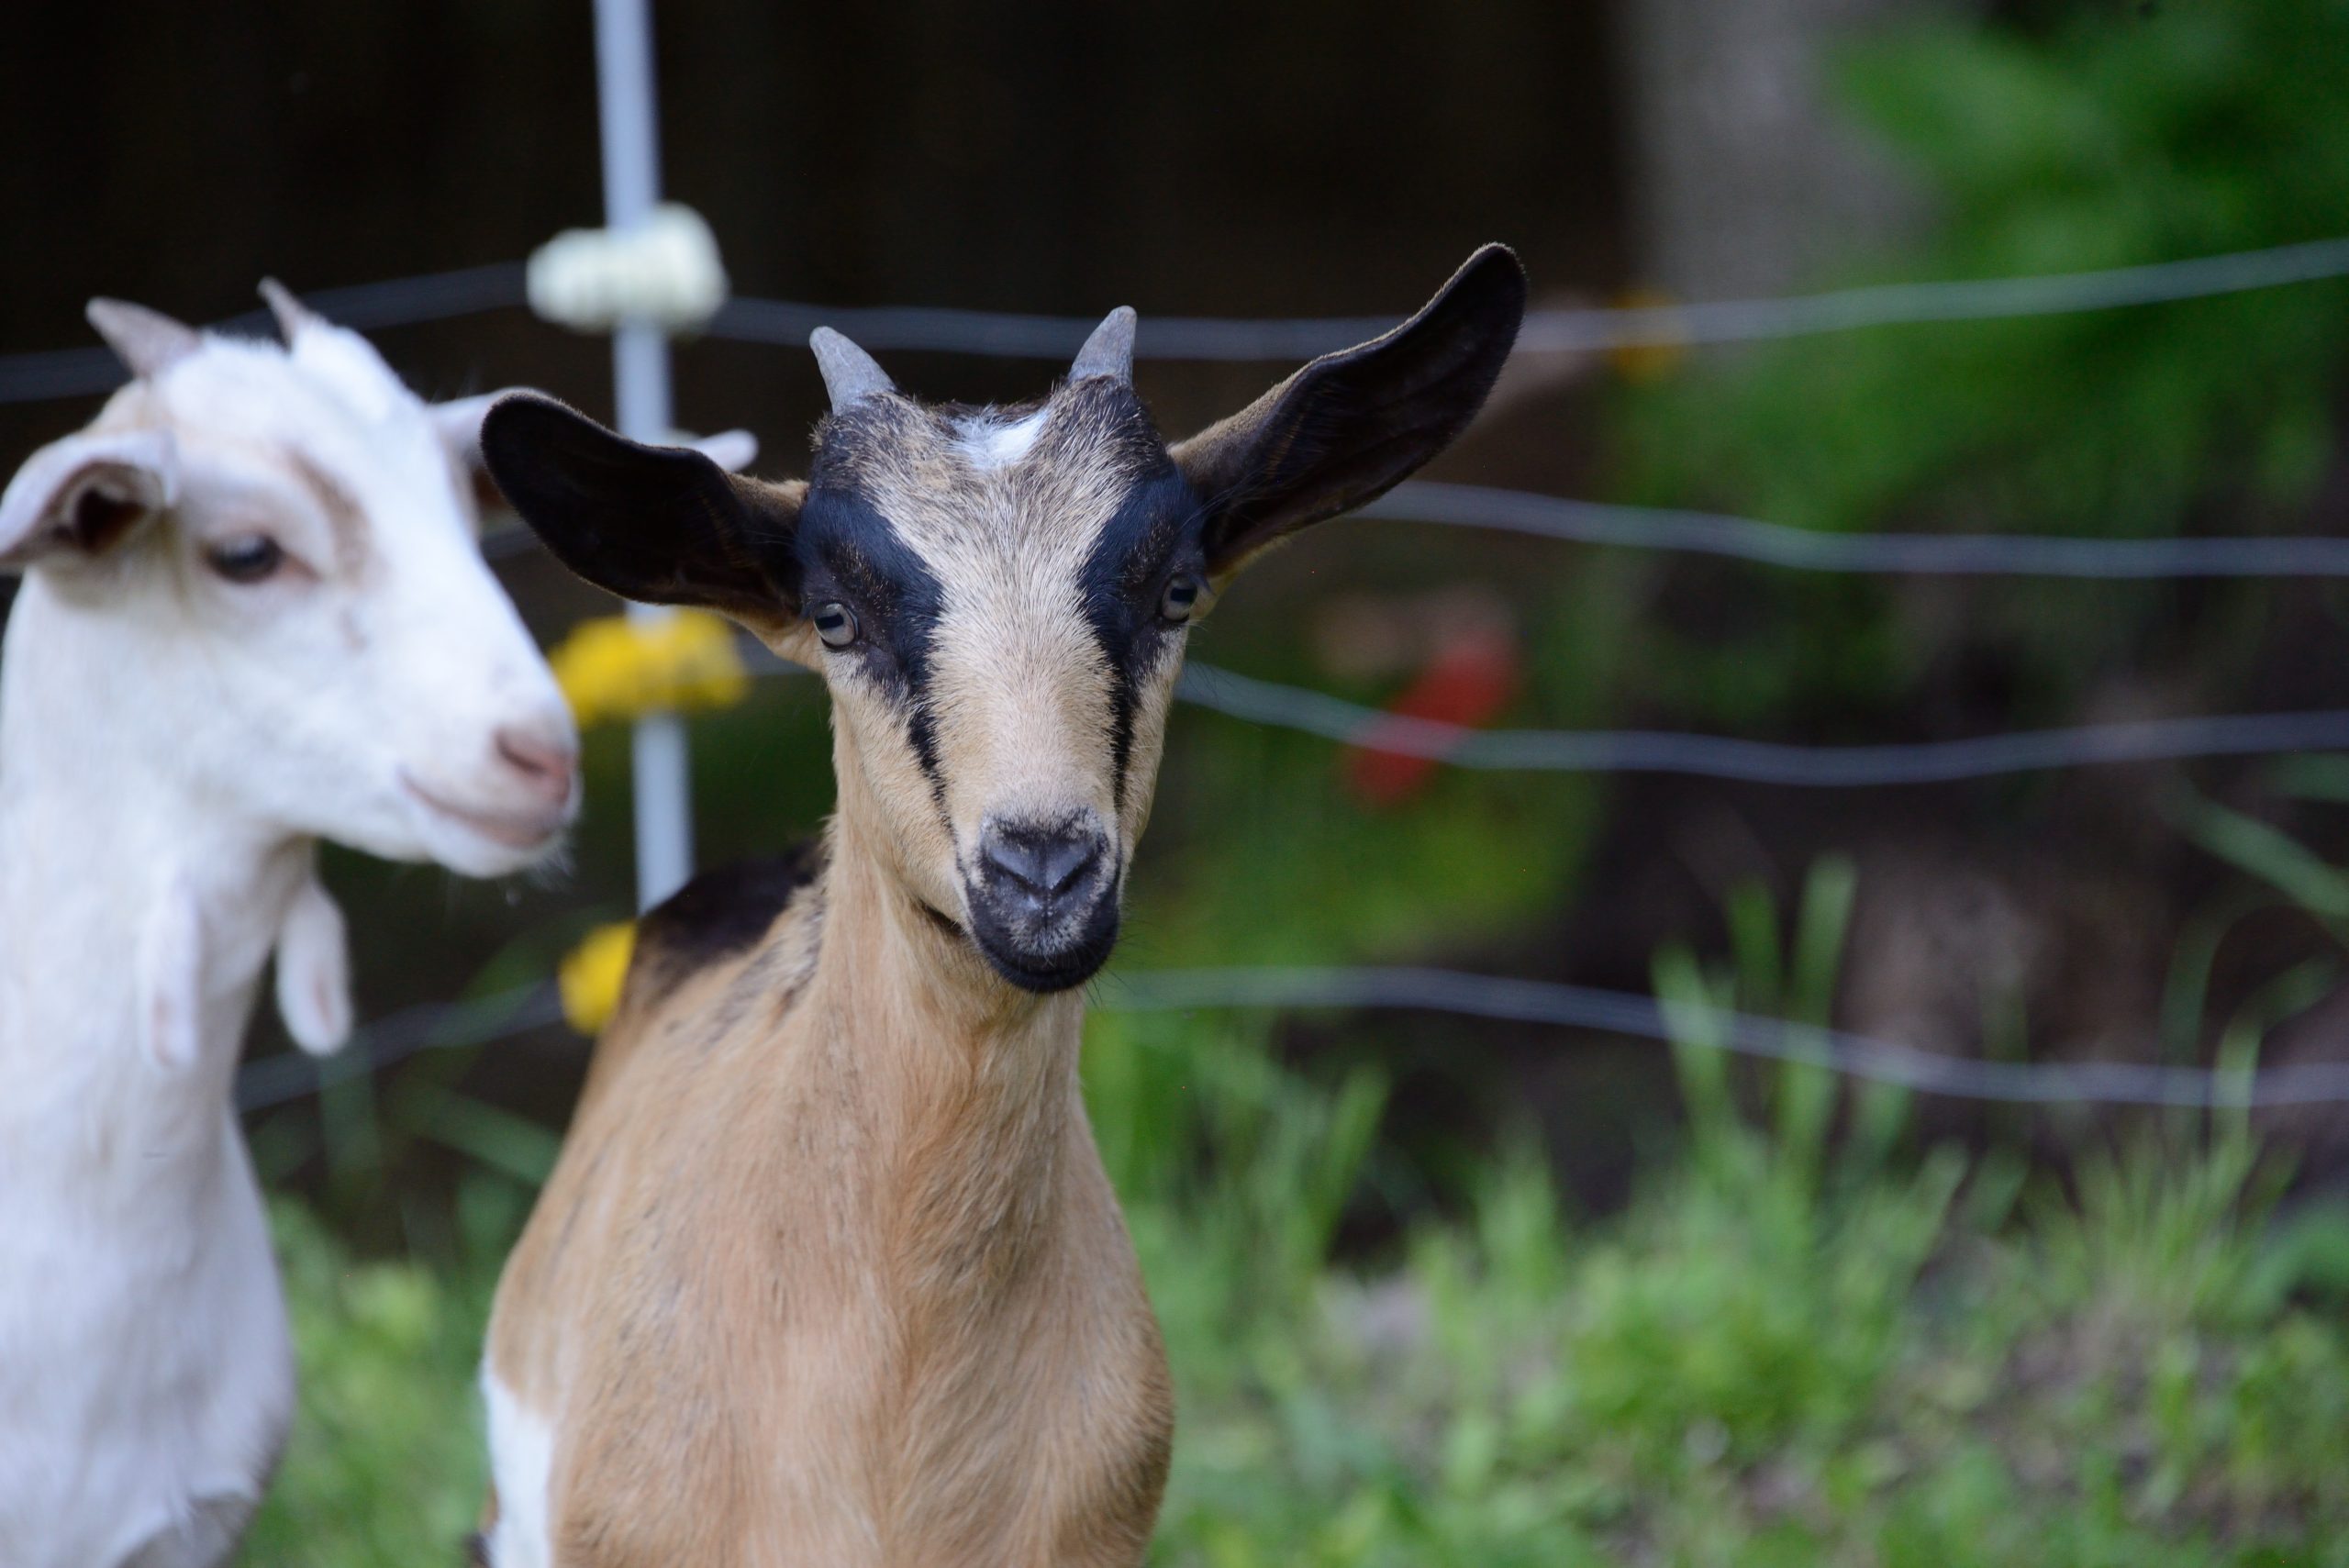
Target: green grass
{"x":1788,"y":1349}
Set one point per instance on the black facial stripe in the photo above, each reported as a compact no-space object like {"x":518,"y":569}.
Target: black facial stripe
{"x":1157,"y":526}
{"x":850,"y":551}
{"x":922,"y":734}
{"x":1121,"y":732}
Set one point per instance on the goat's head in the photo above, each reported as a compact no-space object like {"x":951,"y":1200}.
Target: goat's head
{"x":999,"y":598}
{"x":278,"y":548}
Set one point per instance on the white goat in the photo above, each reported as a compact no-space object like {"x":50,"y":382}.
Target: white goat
{"x":254,"y":613}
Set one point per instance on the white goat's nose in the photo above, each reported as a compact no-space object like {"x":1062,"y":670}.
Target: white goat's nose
{"x":542,"y":759}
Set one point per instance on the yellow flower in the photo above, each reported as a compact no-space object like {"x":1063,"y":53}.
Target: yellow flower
{"x":591,"y":975}
{"x":615,"y":669}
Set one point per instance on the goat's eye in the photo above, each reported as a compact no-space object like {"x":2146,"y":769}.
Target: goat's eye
{"x":835,"y":623}
{"x":1181,"y":600}
{"x":250,"y":559}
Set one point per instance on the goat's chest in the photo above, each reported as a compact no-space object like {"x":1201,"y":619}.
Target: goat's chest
{"x":780,"y":1401}
{"x":839,"y":1445}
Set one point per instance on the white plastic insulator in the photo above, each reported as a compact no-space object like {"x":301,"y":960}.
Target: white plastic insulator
{"x":665,"y":271}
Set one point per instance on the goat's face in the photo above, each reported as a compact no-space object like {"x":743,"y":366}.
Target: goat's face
{"x":998,"y":599}
{"x":278,"y":549}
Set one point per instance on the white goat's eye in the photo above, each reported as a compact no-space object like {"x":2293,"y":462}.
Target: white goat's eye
{"x":250,"y":559}
{"x":1181,"y":600}
{"x":835,"y":623}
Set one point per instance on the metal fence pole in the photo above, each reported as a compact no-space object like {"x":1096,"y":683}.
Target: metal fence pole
{"x":640,"y":385}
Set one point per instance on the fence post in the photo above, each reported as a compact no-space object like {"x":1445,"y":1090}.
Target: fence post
{"x":660,"y":765}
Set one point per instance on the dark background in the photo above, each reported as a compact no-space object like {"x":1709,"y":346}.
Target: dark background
{"x":1195,"y":159}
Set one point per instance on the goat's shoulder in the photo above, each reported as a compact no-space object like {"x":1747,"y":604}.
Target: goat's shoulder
{"x":715,"y":970}
{"x":739,"y":934}
{"x":719,"y":914}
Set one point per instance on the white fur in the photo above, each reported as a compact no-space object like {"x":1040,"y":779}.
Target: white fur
{"x":169,"y":979}
{"x":987,"y":444}
{"x":521,"y":1462}
{"x":170,"y":745}
{"x":313,"y":971}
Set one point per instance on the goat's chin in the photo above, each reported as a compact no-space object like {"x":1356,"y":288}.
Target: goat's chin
{"x":474,"y":856}
{"x":1060,"y":969}
{"x":481,"y":843}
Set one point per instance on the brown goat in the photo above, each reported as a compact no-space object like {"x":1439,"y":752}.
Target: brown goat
{"x":829,"y":1271}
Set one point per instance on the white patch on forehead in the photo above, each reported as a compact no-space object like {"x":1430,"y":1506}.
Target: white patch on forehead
{"x":987,"y":443}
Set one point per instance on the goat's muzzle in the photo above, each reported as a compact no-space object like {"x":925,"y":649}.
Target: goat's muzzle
{"x":1043,"y":900}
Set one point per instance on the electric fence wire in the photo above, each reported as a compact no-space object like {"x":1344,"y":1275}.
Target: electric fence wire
{"x":1761,"y":762}
{"x":447,"y":1026}
{"x":1300,"y":708}
{"x":1808,"y":550}
{"x":1775,"y":544}
{"x":66,"y":372}
{"x":1585,"y":330}
{"x":275,"y":1080}
{"x":398,"y":302}
{"x":1406,"y":988}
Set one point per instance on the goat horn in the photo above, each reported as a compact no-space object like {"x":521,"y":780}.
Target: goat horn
{"x":148,"y":342}
{"x":1110,"y":350}
{"x":850,"y":374}
{"x":291,"y":312}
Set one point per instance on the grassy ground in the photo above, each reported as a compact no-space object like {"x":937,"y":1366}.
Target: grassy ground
{"x":1788,"y":1350}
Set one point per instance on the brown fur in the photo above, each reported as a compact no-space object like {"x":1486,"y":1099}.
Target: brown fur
{"x":849,"y":1269}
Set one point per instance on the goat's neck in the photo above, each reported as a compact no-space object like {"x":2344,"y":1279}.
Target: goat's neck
{"x":97,"y":830}
{"x":965,"y":1087}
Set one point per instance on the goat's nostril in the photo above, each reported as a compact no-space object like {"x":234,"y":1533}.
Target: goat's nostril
{"x":1043,"y":865}
{"x":543,"y":762}
{"x":1065,"y":859}
{"x":1014,"y":858}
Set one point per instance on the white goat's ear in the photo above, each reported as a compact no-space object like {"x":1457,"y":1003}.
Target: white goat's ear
{"x":458,"y":424}
{"x":732,"y":451}
{"x":84,"y":494}
{"x":170,"y":978}
{"x":313,"y":971}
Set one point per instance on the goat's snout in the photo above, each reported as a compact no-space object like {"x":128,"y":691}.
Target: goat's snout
{"x":518,"y":797}
{"x":1043,"y":900}
{"x":1040,"y":865}
{"x":541,"y":759}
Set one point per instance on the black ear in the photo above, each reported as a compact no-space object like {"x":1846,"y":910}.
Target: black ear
{"x":659,"y":525}
{"x":1351,"y":425}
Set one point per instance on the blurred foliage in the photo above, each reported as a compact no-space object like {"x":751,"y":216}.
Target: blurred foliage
{"x":2111,"y":136}
{"x":2115,"y":141}
{"x":1793,"y":1347}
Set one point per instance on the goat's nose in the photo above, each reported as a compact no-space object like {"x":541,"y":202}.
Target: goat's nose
{"x":1044,"y":863}
{"x":541,"y":759}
